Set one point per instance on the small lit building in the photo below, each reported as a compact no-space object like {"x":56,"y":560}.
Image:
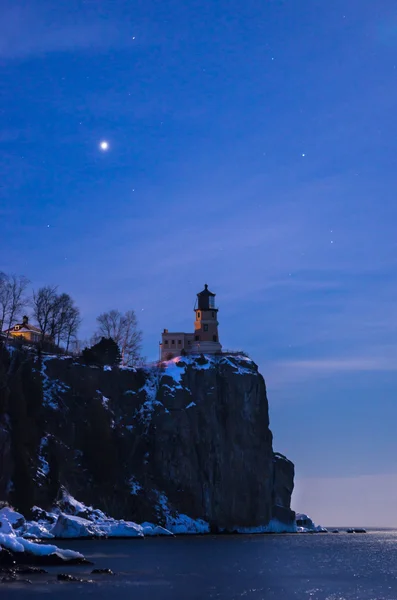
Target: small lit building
{"x":205,"y":338}
{"x":25,"y":332}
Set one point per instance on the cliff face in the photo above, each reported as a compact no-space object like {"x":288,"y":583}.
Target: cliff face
{"x":190,"y":438}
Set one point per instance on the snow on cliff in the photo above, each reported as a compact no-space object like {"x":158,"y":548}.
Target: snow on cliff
{"x":176,"y":367}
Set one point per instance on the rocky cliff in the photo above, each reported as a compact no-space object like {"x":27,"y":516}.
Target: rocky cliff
{"x":191,"y":437}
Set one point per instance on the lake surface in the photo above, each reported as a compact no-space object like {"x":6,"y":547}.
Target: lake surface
{"x":283,"y":567}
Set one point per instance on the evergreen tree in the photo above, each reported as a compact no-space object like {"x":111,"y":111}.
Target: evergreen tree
{"x":105,"y":352}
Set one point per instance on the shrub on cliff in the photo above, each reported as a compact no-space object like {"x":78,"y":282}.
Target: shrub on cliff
{"x":105,"y":352}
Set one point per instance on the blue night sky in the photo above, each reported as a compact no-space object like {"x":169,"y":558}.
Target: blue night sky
{"x":252,"y":146}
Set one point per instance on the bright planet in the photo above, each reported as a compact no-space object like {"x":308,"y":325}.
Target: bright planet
{"x":104,"y":145}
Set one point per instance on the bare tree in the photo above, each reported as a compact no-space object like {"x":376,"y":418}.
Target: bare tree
{"x":63,"y":304}
{"x":109,"y":325}
{"x":5,"y":294}
{"x":72,"y":325}
{"x":56,"y":314}
{"x":123,"y":329}
{"x":131,"y":339}
{"x":12,"y":299}
{"x":44,"y":304}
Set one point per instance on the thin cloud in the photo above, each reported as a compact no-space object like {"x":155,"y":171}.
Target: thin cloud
{"x":26,"y":32}
{"x":285,"y":373}
{"x":338,"y":365}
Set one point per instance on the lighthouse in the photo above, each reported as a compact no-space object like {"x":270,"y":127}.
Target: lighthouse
{"x":204,"y":340}
{"x":206,"y":337}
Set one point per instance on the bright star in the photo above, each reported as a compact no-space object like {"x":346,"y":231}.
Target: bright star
{"x":303,"y":155}
{"x":104,"y":145}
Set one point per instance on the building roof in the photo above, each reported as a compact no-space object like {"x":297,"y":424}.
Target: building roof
{"x":205,"y":300}
{"x":205,"y":292}
{"x":25,"y":326}
{"x":175,"y":333}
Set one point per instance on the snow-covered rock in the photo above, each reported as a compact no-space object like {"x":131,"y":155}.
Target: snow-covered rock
{"x":71,"y":526}
{"x":121,"y":529}
{"x":305,"y":525}
{"x":37,"y":531}
{"x":9,"y":540}
{"x":13,"y":517}
{"x":42,"y":516}
{"x":69,"y":505}
{"x":149,"y":529}
{"x":182,"y":524}
{"x":6,"y":527}
{"x":179,"y":523}
{"x":68,"y":526}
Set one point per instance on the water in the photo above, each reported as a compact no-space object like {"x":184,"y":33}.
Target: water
{"x":283,"y":567}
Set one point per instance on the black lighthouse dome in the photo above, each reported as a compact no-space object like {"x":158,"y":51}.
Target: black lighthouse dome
{"x":206,"y":299}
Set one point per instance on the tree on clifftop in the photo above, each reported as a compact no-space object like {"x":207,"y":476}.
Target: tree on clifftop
{"x":105,"y":352}
{"x":56,"y":314}
{"x":123,"y":329}
{"x":12,"y":298}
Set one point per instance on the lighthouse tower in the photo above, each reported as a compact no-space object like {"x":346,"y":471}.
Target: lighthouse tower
{"x":206,"y":338}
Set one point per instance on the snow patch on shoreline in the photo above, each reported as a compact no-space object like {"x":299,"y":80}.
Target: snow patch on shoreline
{"x":16,"y":543}
{"x":274,"y":526}
{"x":180,"y":523}
{"x":87,"y":522}
{"x":305,"y":524}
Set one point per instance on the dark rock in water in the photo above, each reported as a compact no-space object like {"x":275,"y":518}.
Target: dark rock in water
{"x":30,"y":571}
{"x":29,"y":561}
{"x":10,"y":576}
{"x":102,"y":572}
{"x":192,"y":438}
{"x":356,"y":530}
{"x":72,"y":578}
{"x":335,"y":531}
{"x":12,"y":573}
{"x":53,"y":560}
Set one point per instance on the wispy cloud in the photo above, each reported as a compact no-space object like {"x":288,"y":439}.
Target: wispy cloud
{"x":290,"y":372}
{"x":31,"y":30}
